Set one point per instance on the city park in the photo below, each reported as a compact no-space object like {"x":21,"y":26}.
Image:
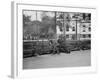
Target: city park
{"x":40,"y":36}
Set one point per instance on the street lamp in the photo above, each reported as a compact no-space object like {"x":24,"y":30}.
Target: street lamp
{"x":76,"y":16}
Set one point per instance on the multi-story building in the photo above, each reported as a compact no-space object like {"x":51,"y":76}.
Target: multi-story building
{"x":75,"y":26}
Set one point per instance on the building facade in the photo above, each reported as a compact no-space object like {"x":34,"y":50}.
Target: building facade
{"x":74,"y":26}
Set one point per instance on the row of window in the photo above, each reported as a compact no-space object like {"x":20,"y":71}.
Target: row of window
{"x":86,"y":36}
{"x":81,"y":36}
{"x":73,"y":29}
{"x":89,"y":29}
{"x":84,"y":16}
{"x":67,"y":28}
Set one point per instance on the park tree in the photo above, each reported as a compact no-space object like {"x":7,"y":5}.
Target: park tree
{"x":26,"y":20}
{"x":49,"y":24}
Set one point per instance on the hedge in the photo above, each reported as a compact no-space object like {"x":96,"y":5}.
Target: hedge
{"x":35,"y":48}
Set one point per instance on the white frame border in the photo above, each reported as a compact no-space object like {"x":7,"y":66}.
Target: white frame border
{"x":17,"y":58}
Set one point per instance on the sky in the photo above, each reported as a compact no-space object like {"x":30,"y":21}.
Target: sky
{"x":39,"y":14}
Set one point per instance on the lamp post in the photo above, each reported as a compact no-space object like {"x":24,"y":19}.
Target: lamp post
{"x":76,"y":19}
{"x":76,"y":16}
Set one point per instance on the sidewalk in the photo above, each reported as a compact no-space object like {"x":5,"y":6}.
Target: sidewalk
{"x":75,"y":59}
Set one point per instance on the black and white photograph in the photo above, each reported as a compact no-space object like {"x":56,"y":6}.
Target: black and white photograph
{"x":56,"y":39}
{"x":50,"y":40}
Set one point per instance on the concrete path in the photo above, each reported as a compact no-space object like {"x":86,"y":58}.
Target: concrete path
{"x":75,"y":59}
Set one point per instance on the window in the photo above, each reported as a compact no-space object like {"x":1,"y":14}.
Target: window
{"x":67,"y":28}
{"x":60,"y":15}
{"x":60,"y":24}
{"x":84,"y":36}
{"x":67,"y":36}
{"x":73,"y":29}
{"x":61,"y":28}
{"x":89,"y":35}
{"x":84,"y":30}
{"x":84,"y":26}
{"x":68,"y":17}
{"x":89,"y":29}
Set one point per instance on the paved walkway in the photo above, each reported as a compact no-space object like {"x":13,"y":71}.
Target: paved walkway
{"x":75,"y":59}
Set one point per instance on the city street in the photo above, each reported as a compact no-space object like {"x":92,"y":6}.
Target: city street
{"x":74,"y":59}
